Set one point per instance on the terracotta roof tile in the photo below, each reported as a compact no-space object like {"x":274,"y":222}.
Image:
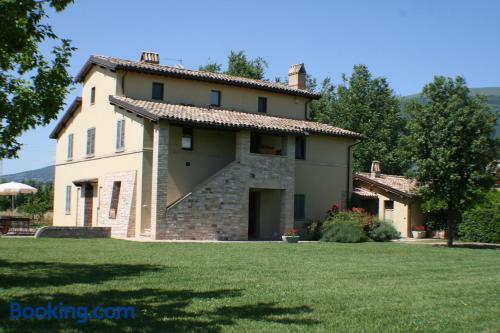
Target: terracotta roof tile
{"x":401,"y":184}
{"x":143,"y":67}
{"x":361,"y":192}
{"x":225,"y":118}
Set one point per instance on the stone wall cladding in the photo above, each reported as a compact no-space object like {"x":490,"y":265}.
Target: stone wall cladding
{"x":159,"y":180}
{"x":124,"y":224}
{"x":73,"y":232}
{"x":218,"y":208}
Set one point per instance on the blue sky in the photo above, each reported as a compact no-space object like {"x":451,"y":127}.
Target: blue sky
{"x":406,"y":41}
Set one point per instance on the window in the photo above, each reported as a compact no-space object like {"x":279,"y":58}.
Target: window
{"x":70,"y":147}
{"x":389,"y":204}
{"x":262,"y":104}
{"x":157,"y":91}
{"x":115,"y":197}
{"x":300,"y":148}
{"x":388,"y":210}
{"x":90,"y":142}
{"x":68,"y":200}
{"x":215,"y":98}
{"x":92,"y":95}
{"x":299,"y":207}
{"x":187,"y":139}
{"x":120,"y":135}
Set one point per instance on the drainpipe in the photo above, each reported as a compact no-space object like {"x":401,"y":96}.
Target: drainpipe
{"x":77,"y":200}
{"x":305,"y":108}
{"x":348,"y":183}
{"x":123,"y":83}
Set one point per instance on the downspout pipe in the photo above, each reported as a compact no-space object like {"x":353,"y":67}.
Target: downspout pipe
{"x":348,"y":182}
{"x":306,"y":115}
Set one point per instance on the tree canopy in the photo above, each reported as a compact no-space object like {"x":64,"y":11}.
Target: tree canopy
{"x":369,"y":106}
{"x":450,"y":136}
{"x":239,"y":65}
{"x":32,"y":87}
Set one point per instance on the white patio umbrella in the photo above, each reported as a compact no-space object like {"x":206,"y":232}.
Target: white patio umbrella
{"x":13,"y":189}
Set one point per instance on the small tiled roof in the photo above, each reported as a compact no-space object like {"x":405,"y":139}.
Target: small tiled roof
{"x":398,"y":184}
{"x":363,"y":193}
{"x":188,"y":74}
{"x":68,"y":114}
{"x":297,"y":68}
{"x":216,"y":117}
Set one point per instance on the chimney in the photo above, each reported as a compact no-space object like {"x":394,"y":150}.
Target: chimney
{"x":375,"y":170}
{"x":150,"y":58}
{"x":297,"y":76}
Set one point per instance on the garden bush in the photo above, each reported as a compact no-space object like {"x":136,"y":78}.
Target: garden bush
{"x":480,"y":225}
{"x":344,"y":233}
{"x":383,"y":231}
{"x":313,"y":230}
{"x":345,"y":227}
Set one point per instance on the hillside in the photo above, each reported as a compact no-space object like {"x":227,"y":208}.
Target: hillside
{"x":43,"y":175}
{"x":492,"y":96}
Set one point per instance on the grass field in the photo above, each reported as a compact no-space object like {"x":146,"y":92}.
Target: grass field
{"x":254,"y":287}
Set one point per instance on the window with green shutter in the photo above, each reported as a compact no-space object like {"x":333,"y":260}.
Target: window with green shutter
{"x":120,"y":135}
{"x":90,"y":142}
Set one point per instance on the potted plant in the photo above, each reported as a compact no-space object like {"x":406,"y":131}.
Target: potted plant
{"x":418,"y":232}
{"x":291,"y":236}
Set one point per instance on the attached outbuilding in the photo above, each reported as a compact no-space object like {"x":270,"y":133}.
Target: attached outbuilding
{"x":389,"y":197}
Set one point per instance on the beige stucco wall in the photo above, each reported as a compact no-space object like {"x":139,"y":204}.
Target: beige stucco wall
{"x":322,"y":176}
{"x":213,"y":149}
{"x":179,"y":91}
{"x":106,"y":160}
{"x":400,"y":215}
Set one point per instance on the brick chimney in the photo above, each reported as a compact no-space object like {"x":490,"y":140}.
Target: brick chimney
{"x":375,"y":169}
{"x":297,"y":76}
{"x":150,"y":58}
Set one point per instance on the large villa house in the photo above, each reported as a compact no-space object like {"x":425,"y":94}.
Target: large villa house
{"x":162,"y":152}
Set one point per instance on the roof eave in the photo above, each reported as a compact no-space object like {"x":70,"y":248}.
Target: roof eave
{"x":143,"y":112}
{"x":132,"y":108}
{"x":77,"y":102}
{"x":386,"y":187}
{"x":93,"y":60}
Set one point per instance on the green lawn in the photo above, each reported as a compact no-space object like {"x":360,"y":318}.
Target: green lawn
{"x":254,"y":287}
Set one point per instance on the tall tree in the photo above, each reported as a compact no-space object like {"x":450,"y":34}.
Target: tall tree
{"x":366,"y":105}
{"x":239,"y":65}
{"x":451,"y":142}
{"x":32,"y":87}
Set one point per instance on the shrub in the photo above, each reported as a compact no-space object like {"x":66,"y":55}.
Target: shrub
{"x":344,"y":233}
{"x":313,"y":229}
{"x":480,"y":225}
{"x":383,"y":231}
{"x":345,"y":227}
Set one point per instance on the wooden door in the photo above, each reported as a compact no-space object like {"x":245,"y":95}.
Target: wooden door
{"x":88,"y":205}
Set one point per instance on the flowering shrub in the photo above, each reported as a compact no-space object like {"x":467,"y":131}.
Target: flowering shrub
{"x":355,"y":225}
{"x":333,"y":210}
{"x":419,"y":228}
{"x":292,"y":232}
{"x":346,"y":227}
